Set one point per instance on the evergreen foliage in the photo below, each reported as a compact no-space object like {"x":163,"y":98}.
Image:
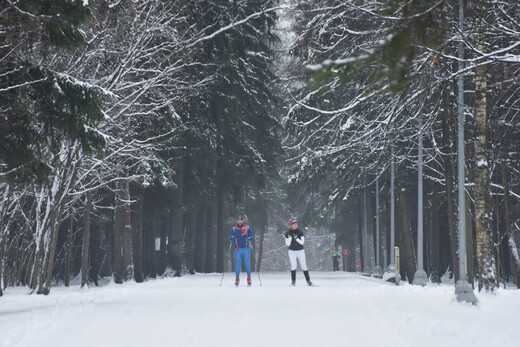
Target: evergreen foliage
{"x":44,"y":107}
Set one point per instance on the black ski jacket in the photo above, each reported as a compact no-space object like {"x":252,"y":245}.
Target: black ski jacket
{"x":296,"y":235}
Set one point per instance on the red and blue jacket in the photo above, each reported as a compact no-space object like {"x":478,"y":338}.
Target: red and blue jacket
{"x":241,"y":233}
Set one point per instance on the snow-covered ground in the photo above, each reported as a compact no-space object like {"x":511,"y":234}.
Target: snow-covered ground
{"x":345,"y":310}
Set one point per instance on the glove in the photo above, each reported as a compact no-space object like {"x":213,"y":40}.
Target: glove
{"x":232,"y":238}
{"x":286,"y":235}
{"x":249,"y":238}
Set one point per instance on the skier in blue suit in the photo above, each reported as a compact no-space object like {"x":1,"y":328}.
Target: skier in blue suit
{"x":242,"y":234}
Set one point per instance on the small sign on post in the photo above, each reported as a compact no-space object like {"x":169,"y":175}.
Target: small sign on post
{"x":397,"y":265}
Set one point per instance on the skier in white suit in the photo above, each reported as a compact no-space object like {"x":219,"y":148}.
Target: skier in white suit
{"x":294,"y":239}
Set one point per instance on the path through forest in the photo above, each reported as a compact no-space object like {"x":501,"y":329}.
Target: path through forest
{"x":345,"y":310}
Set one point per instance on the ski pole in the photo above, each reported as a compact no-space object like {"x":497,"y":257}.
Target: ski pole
{"x":257,"y":272}
{"x":223,"y":271}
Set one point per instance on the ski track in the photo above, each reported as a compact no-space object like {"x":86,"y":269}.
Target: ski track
{"x":346,"y":309}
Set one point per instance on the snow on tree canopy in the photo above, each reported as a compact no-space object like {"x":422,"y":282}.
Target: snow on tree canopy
{"x":482,"y":163}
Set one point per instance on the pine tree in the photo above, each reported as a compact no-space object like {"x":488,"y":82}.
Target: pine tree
{"x":43,"y":107}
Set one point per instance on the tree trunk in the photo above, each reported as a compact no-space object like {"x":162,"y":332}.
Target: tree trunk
{"x":258,"y":208}
{"x":220,"y":226}
{"x":470,"y":242}
{"x":42,"y":259}
{"x":176,"y":238}
{"x":127,"y":239}
{"x":201,"y":238}
{"x":435,"y":262}
{"x":4,"y":201}
{"x":371,"y":241}
{"x":118,"y":266}
{"x":45,"y":284}
{"x":351,"y":258}
{"x":162,"y":260}
{"x":261,"y":247}
{"x":344,"y":260}
{"x":56,"y":214}
{"x":151,"y":233}
{"x":2,"y":254}
{"x":261,"y":230}
{"x":498,"y":242}
{"x":69,"y":249}
{"x":137,"y":231}
{"x":407,"y":249}
{"x":147,"y":248}
{"x":191,"y":225}
{"x":513,"y":250}
{"x":360,"y":238}
{"x":97,"y":254}
{"x":211,"y":240}
{"x":191,"y":204}
{"x":122,"y":234}
{"x":86,"y":241}
{"x":448,"y":149}
{"x":35,"y":271}
{"x":66,"y":180}
{"x":109,"y":239}
{"x":485,"y":259}
{"x":252,"y":257}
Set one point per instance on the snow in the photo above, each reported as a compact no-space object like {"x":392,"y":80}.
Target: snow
{"x":337,"y":62}
{"x":348,"y":124}
{"x":511,"y":58}
{"x":482,"y":163}
{"x":86,"y":85}
{"x":346,"y":309}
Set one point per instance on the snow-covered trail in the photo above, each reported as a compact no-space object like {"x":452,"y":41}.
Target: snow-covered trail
{"x":345,"y":310}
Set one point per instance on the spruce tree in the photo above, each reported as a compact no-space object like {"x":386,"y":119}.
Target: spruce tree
{"x":43,"y":106}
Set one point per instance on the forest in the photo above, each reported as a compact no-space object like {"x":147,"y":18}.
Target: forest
{"x":133,"y":132}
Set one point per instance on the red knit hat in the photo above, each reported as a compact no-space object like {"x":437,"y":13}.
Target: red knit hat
{"x":292,"y":221}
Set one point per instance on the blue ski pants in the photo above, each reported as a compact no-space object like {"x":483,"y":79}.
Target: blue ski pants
{"x":242,"y":254}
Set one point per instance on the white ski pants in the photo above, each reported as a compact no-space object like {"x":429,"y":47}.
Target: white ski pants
{"x":300,"y":255}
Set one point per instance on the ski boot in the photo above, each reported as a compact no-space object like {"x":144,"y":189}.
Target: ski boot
{"x":307,"y":277}
{"x":249,"y":281}
{"x":237,"y":281}
{"x":293,"y":283}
